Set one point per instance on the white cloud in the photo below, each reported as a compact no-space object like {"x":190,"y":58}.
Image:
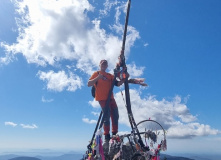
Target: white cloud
{"x":94,"y":104}
{"x":8,"y":57}
{"x":33,"y":126}
{"x":10,"y":124}
{"x":134,"y":70}
{"x":86,"y":120}
{"x":146,"y":44}
{"x":27,"y":126}
{"x":107,"y":7}
{"x":60,"y":81}
{"x":189,"y":130}
{"x":48,"y":28}
{"x":52,"y":31}
{"x":95,"y":113}
{"x":46,"y":100}
{"x":173,"y":115}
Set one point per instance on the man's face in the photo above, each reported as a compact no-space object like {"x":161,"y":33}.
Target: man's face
{"x":103,"y":66}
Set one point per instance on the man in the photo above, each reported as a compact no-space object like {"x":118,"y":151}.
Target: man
{"x":103,"y":81}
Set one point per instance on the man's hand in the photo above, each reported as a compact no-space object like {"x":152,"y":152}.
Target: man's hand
{"x":100,"y":76}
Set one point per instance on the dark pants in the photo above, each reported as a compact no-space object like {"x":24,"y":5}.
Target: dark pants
{"x":112,"y":112}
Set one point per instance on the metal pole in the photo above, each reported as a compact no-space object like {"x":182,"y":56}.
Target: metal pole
{"x":127,"y":93}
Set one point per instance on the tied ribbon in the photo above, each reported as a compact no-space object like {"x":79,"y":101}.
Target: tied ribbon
{"x":101,"y":149}
{"x":116,"y":156}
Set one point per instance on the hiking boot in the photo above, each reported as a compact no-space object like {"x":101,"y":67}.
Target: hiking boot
{"x":114,"y":133}
{"x":107,"y":138}
{"x":106,"y":144}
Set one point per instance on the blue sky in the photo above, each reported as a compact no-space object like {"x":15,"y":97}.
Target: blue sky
{"x":49,"y":49}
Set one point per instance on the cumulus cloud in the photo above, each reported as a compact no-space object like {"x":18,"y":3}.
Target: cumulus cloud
{"x":46,"y":29}
{"x":173,"y":115}
{"x":60,"y":81}
{"x":52,"y":31}
{"x":86,"y":120}
{"x":27,"y":126}
{"x":10,"y":124}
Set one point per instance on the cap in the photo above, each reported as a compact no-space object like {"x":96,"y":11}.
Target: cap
{"x":103,"y":61}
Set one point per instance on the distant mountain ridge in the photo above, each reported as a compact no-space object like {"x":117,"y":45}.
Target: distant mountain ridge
{"x":76,"y":157}
{"x":24,"y":158}
{"x":79,"y":156}
{"x":73,"y":157}
{"x":168,"y":157}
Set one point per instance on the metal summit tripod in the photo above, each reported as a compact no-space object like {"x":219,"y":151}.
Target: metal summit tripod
{"x":120,"y":65}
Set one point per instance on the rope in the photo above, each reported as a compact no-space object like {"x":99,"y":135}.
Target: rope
{"x":123,"y":96}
